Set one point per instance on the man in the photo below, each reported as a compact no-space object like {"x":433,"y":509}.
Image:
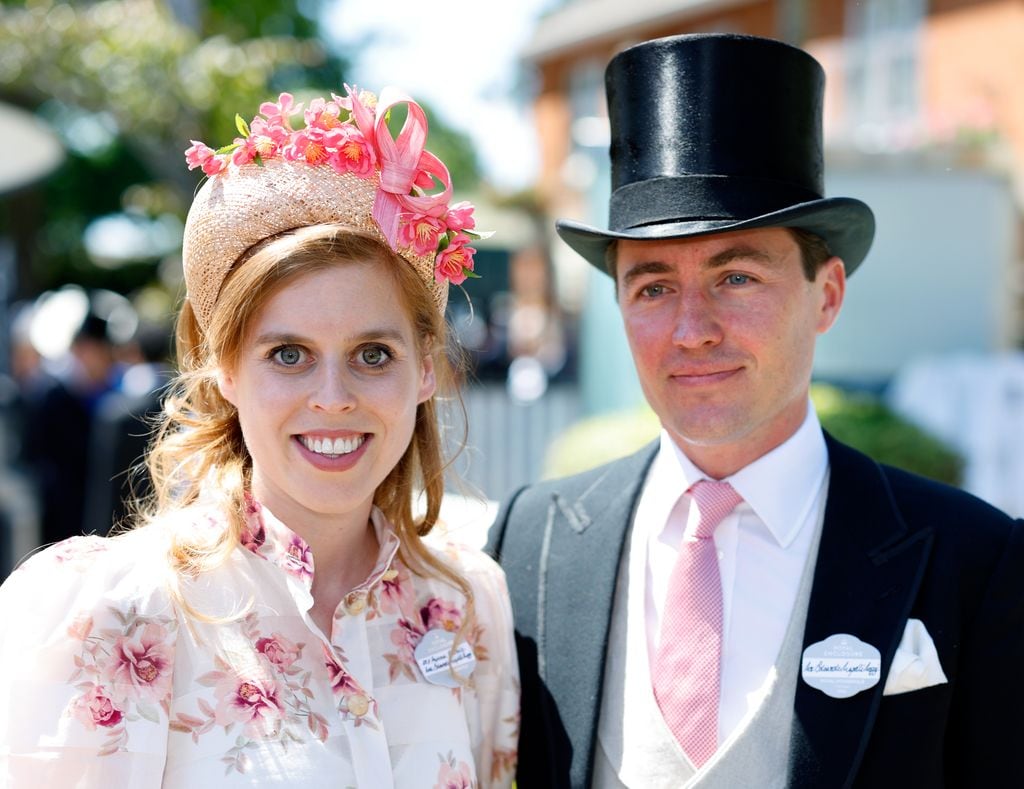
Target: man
{"x":749,"y":603}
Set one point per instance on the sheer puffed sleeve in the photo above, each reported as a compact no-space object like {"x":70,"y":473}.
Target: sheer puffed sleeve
{"x":86,"y":666}
{"x":496,"y":677}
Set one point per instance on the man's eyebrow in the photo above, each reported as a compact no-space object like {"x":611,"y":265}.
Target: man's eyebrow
{"x":642,"y":269}
{"x":741,"y":252}
{"x":723,"y":258}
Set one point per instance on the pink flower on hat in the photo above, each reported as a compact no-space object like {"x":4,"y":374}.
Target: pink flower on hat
{"x":455,"y":262}
{"x":252,"y":148}
{"x":353,"y":153}
{"x":460,"y":217}
{"x":350,"y":133}
{"x":272,"y":136}
{"x":323,"y":114}
{"x":311,"y":144}
{"x":200,"y":155}
{"x":421,"y":232}
{"x":277,"y":113}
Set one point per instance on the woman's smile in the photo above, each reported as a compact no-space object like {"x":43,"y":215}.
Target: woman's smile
{"x":327,"y":385}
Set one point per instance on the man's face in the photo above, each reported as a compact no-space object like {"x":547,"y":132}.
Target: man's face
{"x":722,"y":329}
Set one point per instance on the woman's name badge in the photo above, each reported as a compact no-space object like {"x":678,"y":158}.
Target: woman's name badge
{"x":841,"y":666}
{"x":433,"y":654}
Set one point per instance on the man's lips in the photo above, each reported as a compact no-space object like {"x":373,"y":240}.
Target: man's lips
{"x":704,"y":376}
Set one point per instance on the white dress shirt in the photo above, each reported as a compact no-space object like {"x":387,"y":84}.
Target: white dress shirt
{"x":762,"y":545}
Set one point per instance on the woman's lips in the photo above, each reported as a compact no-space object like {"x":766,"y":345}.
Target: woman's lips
{"x":320,"y":449}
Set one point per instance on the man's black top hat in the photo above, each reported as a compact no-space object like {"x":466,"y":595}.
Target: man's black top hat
{"x":715,"y":132}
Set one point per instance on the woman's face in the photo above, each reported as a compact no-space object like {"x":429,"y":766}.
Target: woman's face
{"x":326,"y":386}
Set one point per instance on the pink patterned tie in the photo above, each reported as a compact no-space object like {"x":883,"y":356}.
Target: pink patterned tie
{"x":686,"y":667}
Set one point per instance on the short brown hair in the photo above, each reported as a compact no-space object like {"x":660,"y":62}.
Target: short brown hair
{"x":814,"y":251}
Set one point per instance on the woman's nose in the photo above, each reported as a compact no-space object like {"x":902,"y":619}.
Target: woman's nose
{"x":333,"y":390}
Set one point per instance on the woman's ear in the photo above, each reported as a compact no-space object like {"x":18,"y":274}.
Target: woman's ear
{"x":226,"y":385}
{"x":428,"y":380}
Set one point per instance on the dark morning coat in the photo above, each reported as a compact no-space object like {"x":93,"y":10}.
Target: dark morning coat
{"x":894,"y":546}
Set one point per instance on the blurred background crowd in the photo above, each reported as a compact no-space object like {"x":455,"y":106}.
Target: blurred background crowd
{"x":98,"y":100}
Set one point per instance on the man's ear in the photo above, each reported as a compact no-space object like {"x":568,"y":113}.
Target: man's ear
{"x":831,"y":282}
{"x":226,"y":385}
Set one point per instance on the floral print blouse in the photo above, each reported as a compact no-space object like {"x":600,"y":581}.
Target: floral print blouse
{"x":105,"y":682}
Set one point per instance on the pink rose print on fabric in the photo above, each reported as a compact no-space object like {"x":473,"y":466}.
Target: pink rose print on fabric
{"x":76,"y":551}
{"x":454,"y":775}
{"x":96,"y":708}
{"x":396,"y":594}
{"x":405,"y":635}
{"x":140,"y":665}
{"x":272,"y":701}
{"x":441,"y":614}
{"x":298,"y":558}
{"x":81,"y":627}
{"x":251,"y":700}
{"x":352,"y":699}
{"x":277,"y":649}
{"x":122,"y":673}
{"x":341,"y":681}
{"x":253,"y":535}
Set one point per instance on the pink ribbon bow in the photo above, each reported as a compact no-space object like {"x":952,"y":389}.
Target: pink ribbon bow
{"x":406,"y":169}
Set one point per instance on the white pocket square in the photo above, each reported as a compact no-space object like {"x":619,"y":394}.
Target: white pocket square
{"x":916,"y":663}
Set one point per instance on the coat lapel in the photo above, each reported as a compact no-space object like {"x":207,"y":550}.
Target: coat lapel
{"x":583,"y":543}
{"x":868,"y":571}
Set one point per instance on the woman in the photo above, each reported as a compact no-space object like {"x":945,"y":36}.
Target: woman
{"x":278,"y":619}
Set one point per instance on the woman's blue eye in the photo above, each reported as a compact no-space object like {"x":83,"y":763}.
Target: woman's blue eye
{"x":289,"y":355}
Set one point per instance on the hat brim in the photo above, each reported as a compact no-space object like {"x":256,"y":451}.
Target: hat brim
{"x":847,"y":225}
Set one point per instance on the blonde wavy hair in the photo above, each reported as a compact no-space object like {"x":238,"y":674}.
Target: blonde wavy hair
{"x":198,"y":451}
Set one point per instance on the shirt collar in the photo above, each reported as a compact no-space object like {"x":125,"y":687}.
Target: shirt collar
{"x":780,"y":486}
{"x":270,"y":539}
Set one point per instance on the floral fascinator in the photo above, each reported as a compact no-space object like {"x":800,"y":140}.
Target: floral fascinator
{"x":342,"y":166}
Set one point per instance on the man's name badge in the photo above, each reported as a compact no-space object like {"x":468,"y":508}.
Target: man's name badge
{"x":841,"y":666}
{"x":435,"y":659}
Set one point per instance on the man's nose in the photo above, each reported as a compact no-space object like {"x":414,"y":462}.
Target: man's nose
{"x":696,"y":321}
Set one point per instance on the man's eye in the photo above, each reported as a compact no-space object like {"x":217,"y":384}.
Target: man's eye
{"x":651,"y":291}
{"x":737,"y":279}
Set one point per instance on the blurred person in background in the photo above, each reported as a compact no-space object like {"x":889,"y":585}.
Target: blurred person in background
{"x":78,"y":333}
{"x":279,"y":618}
{"x":122,"y":428}
{"x":748,"y":602}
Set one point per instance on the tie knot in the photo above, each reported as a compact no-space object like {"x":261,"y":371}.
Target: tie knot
{"x":714,"y":500}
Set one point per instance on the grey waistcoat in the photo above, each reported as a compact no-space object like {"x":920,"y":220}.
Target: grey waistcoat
{"x":636,"y":749}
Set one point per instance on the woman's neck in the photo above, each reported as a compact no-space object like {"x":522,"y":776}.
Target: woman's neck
{"x":344,"y":546}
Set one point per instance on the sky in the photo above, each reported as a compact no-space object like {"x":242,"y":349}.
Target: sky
{"x":461,"y":56}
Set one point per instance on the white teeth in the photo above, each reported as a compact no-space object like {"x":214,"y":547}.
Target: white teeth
{"x":337,"y":446}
